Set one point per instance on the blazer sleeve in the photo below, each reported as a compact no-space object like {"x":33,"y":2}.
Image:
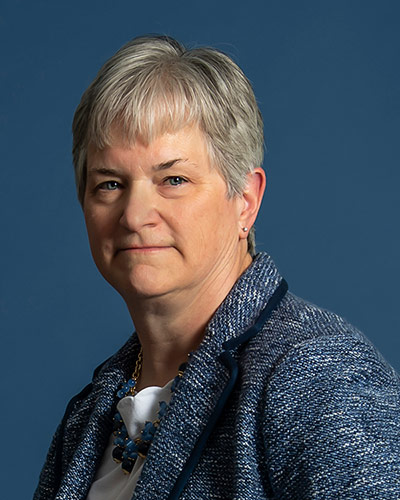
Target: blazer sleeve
{"x":332,"y":423}
{"x":49,"y":478}
{"x":57,"y":458}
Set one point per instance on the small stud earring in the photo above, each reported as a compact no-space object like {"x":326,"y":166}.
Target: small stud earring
{"x":245,"y":229}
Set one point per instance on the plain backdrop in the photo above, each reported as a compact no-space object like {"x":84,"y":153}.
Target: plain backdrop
{"x":326,"y":75}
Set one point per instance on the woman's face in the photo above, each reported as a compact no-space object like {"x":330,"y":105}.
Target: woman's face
{"x":158,"y":217}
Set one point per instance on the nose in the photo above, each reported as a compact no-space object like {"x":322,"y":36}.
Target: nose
{"x":139,"y":207}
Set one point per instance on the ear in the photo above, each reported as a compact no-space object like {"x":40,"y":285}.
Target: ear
{"x":252,"y":197}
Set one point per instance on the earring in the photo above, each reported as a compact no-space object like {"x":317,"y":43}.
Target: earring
{"x":245,"y":229}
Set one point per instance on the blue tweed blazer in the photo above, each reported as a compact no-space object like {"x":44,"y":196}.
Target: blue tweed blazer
{"x":282,"y":400}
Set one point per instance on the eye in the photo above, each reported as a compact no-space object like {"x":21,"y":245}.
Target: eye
{"x":109,"y":185}
{"x":175,"y":180}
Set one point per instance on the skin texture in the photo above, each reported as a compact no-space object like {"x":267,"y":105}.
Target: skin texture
{"x":165,"y":235}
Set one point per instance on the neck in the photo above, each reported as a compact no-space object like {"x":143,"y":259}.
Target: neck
{"x":171,"y":326}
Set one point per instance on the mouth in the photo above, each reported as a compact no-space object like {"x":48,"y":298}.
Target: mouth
{"x":143,"y":249}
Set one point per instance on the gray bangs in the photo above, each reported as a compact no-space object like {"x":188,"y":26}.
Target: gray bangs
{"x":165,"y":106}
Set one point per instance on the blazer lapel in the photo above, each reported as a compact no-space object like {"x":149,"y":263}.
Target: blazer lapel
{"x":189,"y":411}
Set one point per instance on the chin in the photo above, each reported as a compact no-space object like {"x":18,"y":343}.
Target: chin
{"x":132,"y":294}
{"x":142,"y":283}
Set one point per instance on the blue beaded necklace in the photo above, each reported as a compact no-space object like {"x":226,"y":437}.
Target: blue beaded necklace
{"x":127,"y":450}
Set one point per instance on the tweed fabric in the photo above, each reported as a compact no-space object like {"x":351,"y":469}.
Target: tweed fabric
{"x":314,"y":414}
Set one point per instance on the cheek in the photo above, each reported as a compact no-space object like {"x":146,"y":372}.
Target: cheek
{"x":99,"y":230}
{"x":91,"y":228}
{"x":221,"y":215}
{"x":99,"y":221}
{"x":189,"y":226}
{"x":212,"y":225}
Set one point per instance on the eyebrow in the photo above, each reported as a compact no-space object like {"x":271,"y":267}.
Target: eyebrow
{"x":167,"y":164}
{"x":112,"y":171}
{"x":103,"y":171}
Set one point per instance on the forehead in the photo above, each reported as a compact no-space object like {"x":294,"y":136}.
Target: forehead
{"x":187,"y":144}
{"x":188,"y":140}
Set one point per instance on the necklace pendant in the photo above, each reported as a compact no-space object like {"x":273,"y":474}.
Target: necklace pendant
{"x":127,"y":465}
{"x":117,"y":454}
{"x":143,"y":448}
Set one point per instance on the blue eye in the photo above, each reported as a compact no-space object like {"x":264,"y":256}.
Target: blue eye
{"x":109,"y":185}
{"x":176,"y":180}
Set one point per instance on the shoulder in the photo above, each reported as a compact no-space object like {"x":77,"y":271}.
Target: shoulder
{"x":302,"y":343}
{"x":299,"y":332}
{"x":334,"y":371}
{"x":331,"y":418}
{"x":310,"y":347}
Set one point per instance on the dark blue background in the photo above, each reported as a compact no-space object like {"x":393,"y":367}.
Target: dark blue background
{"x":326,"y":75}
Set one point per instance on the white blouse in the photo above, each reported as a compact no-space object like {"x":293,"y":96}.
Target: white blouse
{"x":110,"y":482}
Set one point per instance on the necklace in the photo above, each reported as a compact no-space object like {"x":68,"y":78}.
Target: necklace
{"x":127,"y":450}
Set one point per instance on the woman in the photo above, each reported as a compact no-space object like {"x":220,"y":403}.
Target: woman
{"x":231,"y":387}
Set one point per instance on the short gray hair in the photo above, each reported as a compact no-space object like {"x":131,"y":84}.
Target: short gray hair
{"x":153,"y":85}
